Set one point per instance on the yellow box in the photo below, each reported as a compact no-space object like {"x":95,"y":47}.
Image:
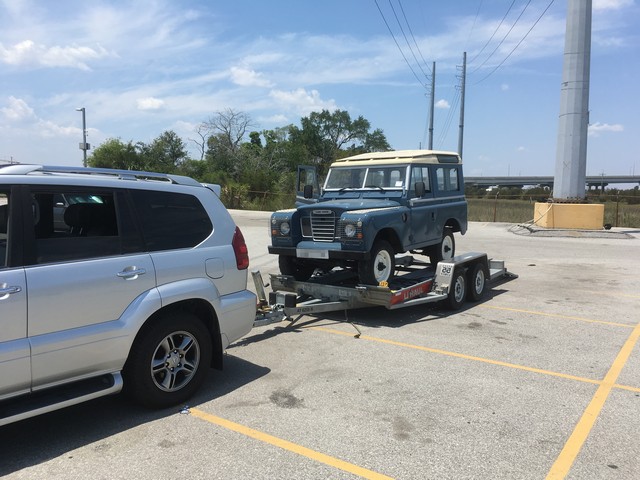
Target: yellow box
{"x":583,"y":216}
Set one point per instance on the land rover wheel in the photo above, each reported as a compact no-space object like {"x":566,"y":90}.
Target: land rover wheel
{"x":168,"y":361}
{"x":380,"y":266}
{"x":445,"y":250}
{"x":295,"y":268}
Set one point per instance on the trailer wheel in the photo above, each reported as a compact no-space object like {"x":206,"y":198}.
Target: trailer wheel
{"x":445,"y":250}
{"x":292,"y":266}
{"x":380,"y":267}
{"x":458,"y":291}
{"x":476,"y":282}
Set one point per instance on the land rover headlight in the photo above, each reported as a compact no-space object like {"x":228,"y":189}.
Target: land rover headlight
{"x":285,"y":228}
{"x":350,"y":230}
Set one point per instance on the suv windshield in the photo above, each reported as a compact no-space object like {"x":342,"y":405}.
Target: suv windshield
{"x":366,"y":177}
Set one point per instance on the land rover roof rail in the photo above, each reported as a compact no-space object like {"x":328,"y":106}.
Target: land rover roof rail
{"x":406,"y":156}
{"x":24,"y":169}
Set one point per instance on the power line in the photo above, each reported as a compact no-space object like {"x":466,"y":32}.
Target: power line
{"x":399,"y":48}
{"x":516,"y":47}
{"x":406,"y":39}
{"x":413,"y":37}
{"x":494,"y":32}
{"x":503,"y":38}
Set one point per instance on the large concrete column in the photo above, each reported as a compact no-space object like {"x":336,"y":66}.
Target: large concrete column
{"x":571,"y":150}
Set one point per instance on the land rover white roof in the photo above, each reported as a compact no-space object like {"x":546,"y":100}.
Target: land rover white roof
{"x":399,"y":156}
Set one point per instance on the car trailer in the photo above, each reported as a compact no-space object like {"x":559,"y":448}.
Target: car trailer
{"x":463,"y":277}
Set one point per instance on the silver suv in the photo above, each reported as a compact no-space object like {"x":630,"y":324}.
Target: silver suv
{"x":139,"y":282}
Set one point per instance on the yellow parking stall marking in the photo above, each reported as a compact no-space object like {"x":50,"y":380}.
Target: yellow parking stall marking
{"x":292,"y":447}
{"x":556,"y":315}
{"x":567,"y":456}
{"x":473,"y":358}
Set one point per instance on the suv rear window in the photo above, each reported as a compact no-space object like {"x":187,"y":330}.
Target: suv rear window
{"x":171,"y":220}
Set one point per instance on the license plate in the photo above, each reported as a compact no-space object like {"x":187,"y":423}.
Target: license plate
{"x":311,"y":253}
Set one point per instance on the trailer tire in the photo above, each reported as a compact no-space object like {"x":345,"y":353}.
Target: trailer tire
{"x":445,"y":250}
{"x":476,"y":282}
{"x":293,"y":267}
{"x":380,"y":267}
{"x":457,"y":291}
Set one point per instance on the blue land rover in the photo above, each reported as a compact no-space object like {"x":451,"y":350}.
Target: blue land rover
{"x":372,"y":207}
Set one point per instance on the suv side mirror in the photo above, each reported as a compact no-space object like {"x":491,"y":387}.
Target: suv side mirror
{"x":308,"y":191}
{"x":420,"y":189}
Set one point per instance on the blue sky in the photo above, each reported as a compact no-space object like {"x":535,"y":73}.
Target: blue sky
{"x":143,"y":67}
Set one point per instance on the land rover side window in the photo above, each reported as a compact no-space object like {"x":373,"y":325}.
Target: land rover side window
{"x":420,"y":174}
{"x":447,"y":178}
{"x":171,"y":220}
{"x":4,"y":227}
{"x":70,"y":225}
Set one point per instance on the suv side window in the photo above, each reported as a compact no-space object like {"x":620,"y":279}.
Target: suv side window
{"x":72,"y":224}
{"x":4,"y":227}
{"x":171,"y":220}
{"x":447,"y":179}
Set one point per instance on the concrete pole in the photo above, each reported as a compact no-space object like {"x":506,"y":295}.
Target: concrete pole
{"x":462,"y":94}
{"x":432,"y":104}
{"x":571,"y":150}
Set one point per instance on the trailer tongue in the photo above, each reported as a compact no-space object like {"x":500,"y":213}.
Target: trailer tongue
{"x":464,"y":277}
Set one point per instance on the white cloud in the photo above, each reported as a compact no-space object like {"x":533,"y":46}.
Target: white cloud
{"x":443,"y":104}
{"x":248,"y":78}
{"x":521,"y":149}
{"x":17,"y":110}
{"x":28,"y":53}
{"x":150,"y":103}
{"x":597,"y":128}
{"x":611,"y":4}
{"x":504,"y":87}
{"x":302,"y":101}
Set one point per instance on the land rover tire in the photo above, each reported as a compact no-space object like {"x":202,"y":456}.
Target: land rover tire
{"x":168,"y":361}
{"x":380,"y":267}
{"x":445,"y":249}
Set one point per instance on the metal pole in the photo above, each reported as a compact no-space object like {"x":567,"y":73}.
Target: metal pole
{"x":433,"y":97}
{"x":462,"y":92}
{"x":83,"y":147}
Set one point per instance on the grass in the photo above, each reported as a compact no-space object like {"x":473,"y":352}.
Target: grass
{"x":521,"y":211}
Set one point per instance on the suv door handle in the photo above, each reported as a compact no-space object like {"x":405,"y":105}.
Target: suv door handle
{"x":9,"y":290}
{"x":131,"y":272}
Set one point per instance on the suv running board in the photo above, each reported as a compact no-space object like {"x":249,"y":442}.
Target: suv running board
{"x":39,"y":402}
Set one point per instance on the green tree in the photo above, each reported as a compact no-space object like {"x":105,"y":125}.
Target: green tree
{"x":326,"y":134}
{"x":165,"y":154}
{"x":114,"y":153}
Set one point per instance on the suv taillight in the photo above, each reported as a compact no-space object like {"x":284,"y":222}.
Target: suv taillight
{"x":241,"y":250}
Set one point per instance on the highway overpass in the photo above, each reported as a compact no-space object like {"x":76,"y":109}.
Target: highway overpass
{"x":595,"y":181}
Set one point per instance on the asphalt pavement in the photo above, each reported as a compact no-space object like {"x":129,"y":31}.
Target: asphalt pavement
{"x":541,"y":379}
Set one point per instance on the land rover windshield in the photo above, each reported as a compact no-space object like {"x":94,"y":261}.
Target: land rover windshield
{"x":386,"y":177}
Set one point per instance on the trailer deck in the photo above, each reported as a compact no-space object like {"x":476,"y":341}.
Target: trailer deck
{"x":464,"y":277}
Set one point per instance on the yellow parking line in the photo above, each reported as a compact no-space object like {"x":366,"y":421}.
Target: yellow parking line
{"x":292,"y":447}
{"x":555,"y":315}
{"x":580,"y":433}
{"x":476,"y":359}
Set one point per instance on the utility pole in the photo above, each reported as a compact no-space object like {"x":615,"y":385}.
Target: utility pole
{"x":431,"y":108}
{"x":462,"y":92}
{"x":571,"y":150}
{"x":84,"y":146}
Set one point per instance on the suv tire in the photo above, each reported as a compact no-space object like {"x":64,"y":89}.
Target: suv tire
{"x":169,"y":360}
{"x":445,"y":250}
{"x":380,"y":266}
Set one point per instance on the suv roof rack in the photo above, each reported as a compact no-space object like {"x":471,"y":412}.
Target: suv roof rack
{"x":24,"y":169}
